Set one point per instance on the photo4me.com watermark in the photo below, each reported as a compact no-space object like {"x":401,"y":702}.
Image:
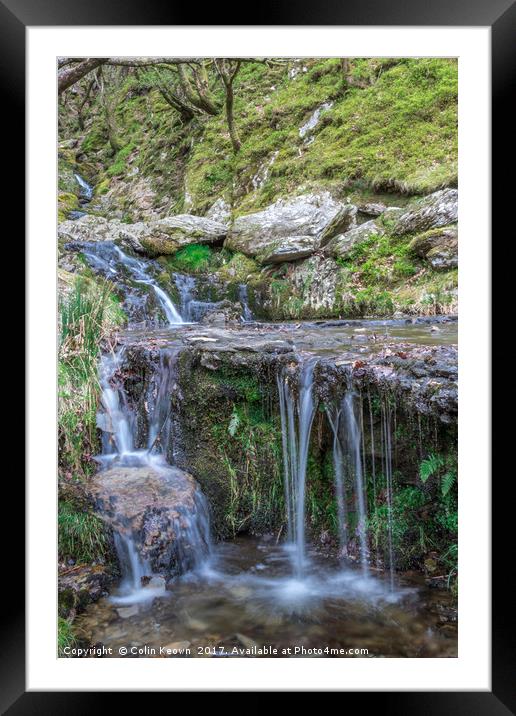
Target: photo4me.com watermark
{"x":165,"y":651}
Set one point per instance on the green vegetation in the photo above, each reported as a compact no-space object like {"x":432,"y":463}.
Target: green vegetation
{"x":65,"y":636}
{"x":195,"y":258}
{"x":89,"y":312}
{"x":82,"y":535}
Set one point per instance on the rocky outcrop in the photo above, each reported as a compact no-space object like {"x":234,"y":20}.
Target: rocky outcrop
{"x":371,"y":208}
{"x":155,"y":238}
{"x":315,"y":280}
{"x":220,"y":212}
{"x":341,"y":245}
{"x":430,"y":212}
{"x":81,"y":585}
{"x":439,"y":247}
{"x":343,"y":221}
{"x":161,"y":509}
{"x":287,"y":230}
{"x":168,"y":235}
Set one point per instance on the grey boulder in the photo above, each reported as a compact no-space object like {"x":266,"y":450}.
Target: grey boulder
{"x":430,"y":212}
{"x":285,"y":230}
{"x":340,"y":246}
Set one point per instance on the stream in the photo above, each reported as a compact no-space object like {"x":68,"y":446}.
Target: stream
{"x":254,"y":595}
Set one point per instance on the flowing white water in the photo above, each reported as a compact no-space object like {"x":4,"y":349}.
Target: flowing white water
{"x":86,"y":189}
{"x":387,"y":463}
{"x":189,"y":519}
{"x":340,"y":490}
{"x":314,"y":118}
{"x":354,"y":445}
{"x":247,"y":315}
{"x":296,"y":442}
{"x":186,"y":288}
{"x":110,"y":259}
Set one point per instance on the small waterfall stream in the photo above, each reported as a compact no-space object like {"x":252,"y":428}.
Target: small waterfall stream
{"x":109,"y":259}
{"x":296,"y":442}
{"x":136,"y":479}
{"x":247,"y":315}
{"x":354,"y":436}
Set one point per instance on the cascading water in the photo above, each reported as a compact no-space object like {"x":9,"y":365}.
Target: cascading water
{"x":296,"y":442}
{"x":186,"y":288}
{"x":86,"y":189}
{"x":140,"y":494}
{"x":340,"y":490}
{"x":354,"y":442}
{"x":247,"y":315}
{"x":85,"y":196}
{"x":387,"y":465}
{"x":111,"y":261}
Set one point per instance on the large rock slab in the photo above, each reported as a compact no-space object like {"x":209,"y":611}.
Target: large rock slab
{"x":162,"y":510}
{"x":154,"y":238}
{"x":432,"y":211}
{"x":341,"y":245}
{"x":439,"y":247}
{"x":166,"y":236}
{"x":287,"y":230}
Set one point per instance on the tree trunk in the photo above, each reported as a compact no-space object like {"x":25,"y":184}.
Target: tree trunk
{"x":70,"y":75}
{"x":235,"y":141}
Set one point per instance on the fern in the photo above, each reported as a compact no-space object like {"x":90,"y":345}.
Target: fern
{"x":430,"y":466}
{"x":447,"y":482}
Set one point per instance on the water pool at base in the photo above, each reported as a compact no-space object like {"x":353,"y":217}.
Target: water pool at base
{"x":246,"y":602}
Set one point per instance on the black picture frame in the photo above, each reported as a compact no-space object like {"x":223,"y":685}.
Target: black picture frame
{"x":500,"y":16}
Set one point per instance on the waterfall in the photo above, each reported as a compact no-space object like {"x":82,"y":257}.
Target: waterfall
{"x":340,"y":490}
{"x":140,"y":494}
{"x":115,"y":420}
{"x":247,"y":315}
{"x":186,"y":288}
{"x":387,"y":463}
{"x":134,"y":569}
{"x":296,"y":442}
{"x":354,"y":438}
{"x":108,"y":258}
{"x":86,"y":189}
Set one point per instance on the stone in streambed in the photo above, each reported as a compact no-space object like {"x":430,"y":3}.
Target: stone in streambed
{"x":161,"y":509}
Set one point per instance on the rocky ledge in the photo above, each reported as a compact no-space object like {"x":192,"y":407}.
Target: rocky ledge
{"x":415,"y":360}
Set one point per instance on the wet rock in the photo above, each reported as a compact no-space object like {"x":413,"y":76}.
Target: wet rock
{"x":287,"y":230}
{"x":160,"y":509}
{"x":80,"y":586}
{"x":126,"y":612}
{"x":432,"y":211}
{"x":341,"y":245}
{"x":225,"y":312}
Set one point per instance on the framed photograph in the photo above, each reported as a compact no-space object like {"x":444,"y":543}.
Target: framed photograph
{"x":258,"y":432}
